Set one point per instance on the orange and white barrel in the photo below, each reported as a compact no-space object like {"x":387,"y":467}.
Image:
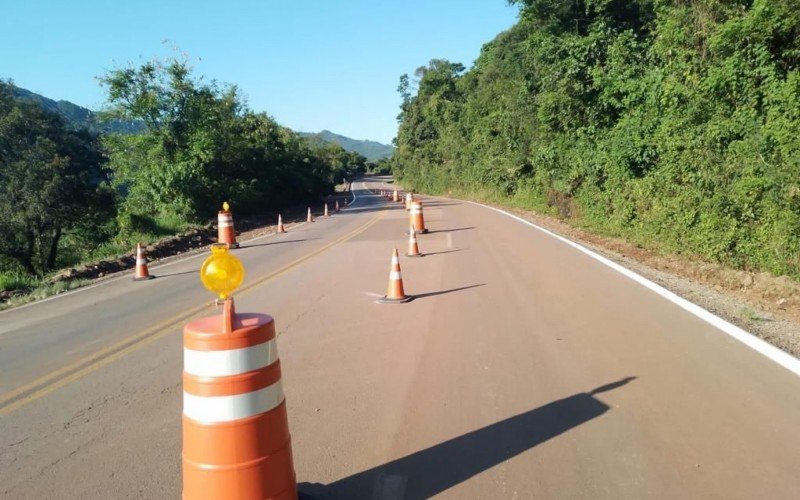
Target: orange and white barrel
{"x":309,"y":218}
{"x":394,"y":196}
{"x":409,"y":200}
{"x":326,"y":210}
{"x":281,"y":229}
{"x":225,"y":232}
{"x":417,"y":219}
{"x":236,"y":441}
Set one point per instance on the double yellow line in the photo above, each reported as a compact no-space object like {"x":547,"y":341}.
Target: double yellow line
{"x":43,"y":386}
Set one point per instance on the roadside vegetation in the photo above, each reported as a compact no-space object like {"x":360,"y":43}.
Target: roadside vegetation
{"x":71,"y":195}
{"x":673,"y":124}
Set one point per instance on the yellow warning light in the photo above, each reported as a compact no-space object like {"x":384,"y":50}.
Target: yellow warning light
{"x":222,"y":272}
{"x":225,"y":206}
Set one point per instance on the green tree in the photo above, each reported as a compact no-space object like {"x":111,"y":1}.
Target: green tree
{"x":673,"y":124}
{"x":50,"y":182}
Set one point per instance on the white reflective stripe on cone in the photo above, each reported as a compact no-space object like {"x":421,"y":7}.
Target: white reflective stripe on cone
{"x":395,"y":260}
{"x":395,"y":275}
{"x":140,"y":261}
{"x":214,"y":409}
{"x":225,"y":224}
{"x":229,"y":362}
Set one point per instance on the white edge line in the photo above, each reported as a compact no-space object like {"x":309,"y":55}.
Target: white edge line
{"x":783,"y":358}
{"x":124,"y":274}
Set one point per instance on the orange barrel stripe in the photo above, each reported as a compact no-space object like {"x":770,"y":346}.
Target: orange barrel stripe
{"x":236,"y":441}
{"x":225,"y":230}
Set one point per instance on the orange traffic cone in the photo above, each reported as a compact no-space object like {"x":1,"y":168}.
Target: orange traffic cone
{"x":417,"y":219}
{"x":326,"y":211}
{"x":309,"y":218}
{"x":236,"y":441}
{"x":281,"y":229}
{"x":336,"y":209}
{"x":413,"y":247}
{"x":409,"y":200}
{"x":225,"y":232}
{"x":394,"y":196}
{"x":141,"y":273}
{"x":395,"y":293}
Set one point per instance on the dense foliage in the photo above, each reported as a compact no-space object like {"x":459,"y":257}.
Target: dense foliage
{"x":202,"y":146}
{"x":675,"y":124}
{"x":68,"y":194}
{"x":49,"y":183}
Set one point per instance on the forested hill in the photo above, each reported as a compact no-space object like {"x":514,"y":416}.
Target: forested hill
{"x":78,"y":116}
{"x":372,"y":150}
{"x":673,"y":124}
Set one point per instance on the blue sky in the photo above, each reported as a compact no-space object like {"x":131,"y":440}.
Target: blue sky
{"x":312,"y":65}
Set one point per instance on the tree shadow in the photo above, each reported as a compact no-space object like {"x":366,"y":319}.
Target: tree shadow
{"x":435,"y":469}
{"x":274,"y":243}
{"x":193,"y":271}
{"x":443,"y":252}
{"x":441,"y":204}
{"x":442,"y":292}
{"x":375,"y":208}
{"x":451,"y":230}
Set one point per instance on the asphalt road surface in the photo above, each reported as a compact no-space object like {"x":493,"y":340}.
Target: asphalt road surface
{"x":523,"y":368}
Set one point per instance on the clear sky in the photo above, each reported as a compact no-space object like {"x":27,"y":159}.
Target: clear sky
{"x":311,"y":64}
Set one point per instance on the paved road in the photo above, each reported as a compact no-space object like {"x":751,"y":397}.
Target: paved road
{"x":522,"y":369}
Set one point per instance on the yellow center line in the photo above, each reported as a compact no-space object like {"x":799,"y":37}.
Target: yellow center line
{"x":44,"y":385}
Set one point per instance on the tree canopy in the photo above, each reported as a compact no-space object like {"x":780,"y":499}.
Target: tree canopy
{"x":675,"y":124}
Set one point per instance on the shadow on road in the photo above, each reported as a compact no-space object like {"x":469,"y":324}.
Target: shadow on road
{"x":450,"y":230}
{"x":375,"y":208}
{"x":444,"y":251}
{"x":274,"y":243}
{"x":442,"y":292}
{"x":440,"y":204}
{"x":435,"y":469}
{"x":193,"y":271}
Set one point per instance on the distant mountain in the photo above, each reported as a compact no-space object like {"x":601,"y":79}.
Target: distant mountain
{"x":78,"y":116}
{"x":372,"y":150}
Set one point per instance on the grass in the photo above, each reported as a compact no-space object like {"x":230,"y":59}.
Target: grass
{"x":74,"y":253}
{"x":43,"y":290}
{"x":15,"y":280}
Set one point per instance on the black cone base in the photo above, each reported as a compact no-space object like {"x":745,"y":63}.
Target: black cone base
{"x":386,"y":300}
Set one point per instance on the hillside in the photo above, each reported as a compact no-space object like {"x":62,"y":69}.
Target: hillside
{"x":675,"y":125}
{"x":372,"y":150}
{"x":78,"y":116}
